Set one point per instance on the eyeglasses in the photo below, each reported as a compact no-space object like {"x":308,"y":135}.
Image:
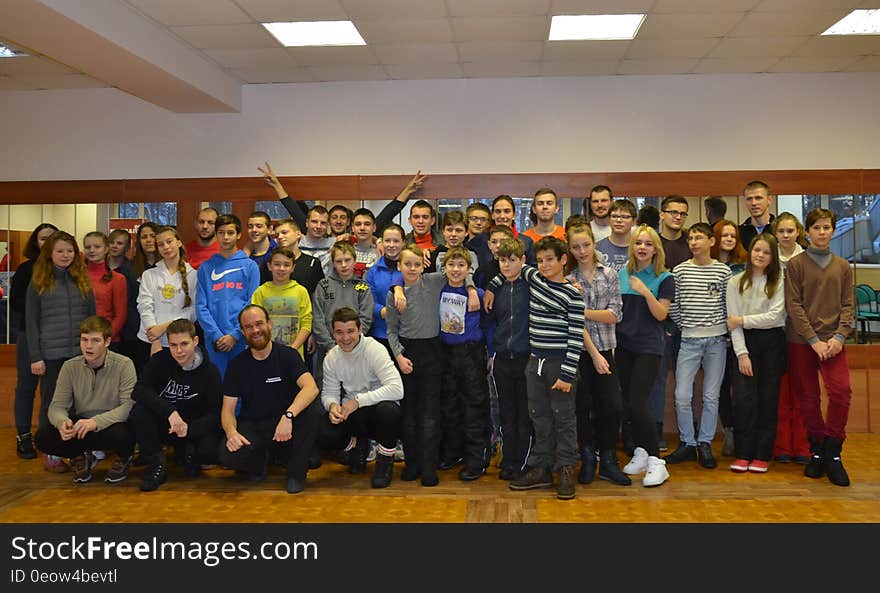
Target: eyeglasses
{"x":478,"y":218}
{"x":676,"y":213}
{"x":621,"y":216}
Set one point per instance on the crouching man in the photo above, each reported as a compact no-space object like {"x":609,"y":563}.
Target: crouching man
{"x":177,"y":402}
{"x":279,"y":415}
{"x":90,"y":406}
{"x":361,"y":391}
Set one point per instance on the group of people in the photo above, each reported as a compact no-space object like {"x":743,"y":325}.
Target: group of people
{"x":353,"y":335}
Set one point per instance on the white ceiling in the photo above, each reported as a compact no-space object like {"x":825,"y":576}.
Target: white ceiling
{"x":420,"y":39}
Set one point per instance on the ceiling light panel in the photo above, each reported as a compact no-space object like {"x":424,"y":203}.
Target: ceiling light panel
{"x":595,"y":26}
{"x":312,"y":33}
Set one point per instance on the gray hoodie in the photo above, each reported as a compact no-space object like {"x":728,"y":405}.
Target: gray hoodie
{"x":333,"y":293}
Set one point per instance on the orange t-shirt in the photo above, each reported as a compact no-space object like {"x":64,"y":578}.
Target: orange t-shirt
{"x":558,"y":232}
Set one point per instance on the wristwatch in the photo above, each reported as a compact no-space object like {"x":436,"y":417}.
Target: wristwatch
{"x":289,"y":415}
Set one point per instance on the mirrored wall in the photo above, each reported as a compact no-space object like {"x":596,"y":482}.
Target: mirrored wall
{"x":856,"y":239}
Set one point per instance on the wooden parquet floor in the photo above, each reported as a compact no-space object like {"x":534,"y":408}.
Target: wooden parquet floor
{"x":692,"y":495}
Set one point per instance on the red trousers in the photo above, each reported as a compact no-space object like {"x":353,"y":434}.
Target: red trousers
{"x":791,"y":436}
{"x":804,"y":368}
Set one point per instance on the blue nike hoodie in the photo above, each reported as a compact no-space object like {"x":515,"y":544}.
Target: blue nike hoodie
{"x":223,"y":289}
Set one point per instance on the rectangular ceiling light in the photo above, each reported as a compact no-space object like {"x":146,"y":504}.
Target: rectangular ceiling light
{"x":316,"y":33}
{"x":858,"y":22}
{"x":595,"y":26}
{"x":8,"y":52}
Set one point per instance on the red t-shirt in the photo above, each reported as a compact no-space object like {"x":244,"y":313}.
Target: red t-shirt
{"x":196,"y":254}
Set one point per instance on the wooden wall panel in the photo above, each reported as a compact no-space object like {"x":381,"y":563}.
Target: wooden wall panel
{"x":383,"y":187}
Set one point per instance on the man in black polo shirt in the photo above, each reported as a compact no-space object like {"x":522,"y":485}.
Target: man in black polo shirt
{"x":278,"y":408}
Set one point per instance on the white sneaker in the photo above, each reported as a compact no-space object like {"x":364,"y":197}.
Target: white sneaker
{"x":398,"y":453}
{"x":371,"y":456}
{"x":656,"y":473}
{"x":638,"y":463}
{"x":97,"y":456}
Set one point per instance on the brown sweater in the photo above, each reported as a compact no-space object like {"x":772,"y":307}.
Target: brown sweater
{"x":819,"y":300}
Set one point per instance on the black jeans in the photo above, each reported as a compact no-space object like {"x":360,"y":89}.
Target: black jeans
{"x":25,"y":386}
{"x":517,"y":433}
{"x":151,"y":432}
{"x":117,"y":437}
{"x":756,"y":398}
{"x":464,"y":406}
{"x":254,"y":458}
{"x":599,"y":405}
{"x":638,"y":373}
{"x":47,"y":388}
{"x":380,"y":422}
{"x":421,"y":403}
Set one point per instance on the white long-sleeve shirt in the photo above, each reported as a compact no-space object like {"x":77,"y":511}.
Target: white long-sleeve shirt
{"x":160,"y":298}
{"x":757,"y":311}
{"x":365,"y":374}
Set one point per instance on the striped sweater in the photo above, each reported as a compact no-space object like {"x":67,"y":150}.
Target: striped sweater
{"x":556,"y":319}
{"x":700,"y":307}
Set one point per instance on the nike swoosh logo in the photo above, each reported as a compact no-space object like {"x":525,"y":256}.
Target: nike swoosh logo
{"x":215,"y":276}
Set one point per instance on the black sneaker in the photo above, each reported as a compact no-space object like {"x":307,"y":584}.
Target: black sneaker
{"x":295,"y":486}
{"x":470,"y":474}
{"x":683,"y":453}
{"x":156,"y":475}
{"x":535,"y":477}
{"x":383,"y":471}
{"x":609,"y":469}
{"x":119,"y":470}
{"x":449,"y":463}
{"x":409,"y":473}
{"x":704,"y":456}
{"x":24,"y":446}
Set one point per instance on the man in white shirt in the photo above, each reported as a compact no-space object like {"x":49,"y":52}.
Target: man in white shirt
{"x":361,"y":391}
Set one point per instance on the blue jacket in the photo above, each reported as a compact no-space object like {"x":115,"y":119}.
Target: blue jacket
{"x":510,"y":316}
{"x":381,"y":278}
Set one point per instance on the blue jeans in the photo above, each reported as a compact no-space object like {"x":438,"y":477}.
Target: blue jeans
{"x":711,"y":354}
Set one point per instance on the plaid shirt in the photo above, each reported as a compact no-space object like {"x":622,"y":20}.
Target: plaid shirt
{"x":602,"y":293}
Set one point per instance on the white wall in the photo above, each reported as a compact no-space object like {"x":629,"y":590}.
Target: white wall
{"x":622,"y":123}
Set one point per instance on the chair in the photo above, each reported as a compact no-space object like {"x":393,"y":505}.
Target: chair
{"x":867,"y":310}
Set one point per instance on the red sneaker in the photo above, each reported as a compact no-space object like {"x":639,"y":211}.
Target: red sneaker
{"x":739,"y":466}
{"x":759,"y":467}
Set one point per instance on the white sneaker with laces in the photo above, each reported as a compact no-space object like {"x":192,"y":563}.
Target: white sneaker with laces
{"x":638,"y":463}
{"x":656,"y":473}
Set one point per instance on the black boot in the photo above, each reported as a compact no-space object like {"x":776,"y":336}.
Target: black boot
{"x":383,"y":471}
{"x":24,"y":446}
{"x":588,"y":465}
{"x":816,"y":466}
{"x":157,"y":472}
{"x":609,"y":469}
{"x":833,"y":465}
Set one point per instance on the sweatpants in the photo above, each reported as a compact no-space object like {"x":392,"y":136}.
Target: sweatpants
{"x":380,"y":422}
{"x":254,"y":458}
{"x":464,"y":405}
{"x":553,"y":415}
{"x":117,"y":437}
{"x":517,"y":434}
{"x":421,"y":403}
{"x":756,"y":398}
{"x":151,"y":433}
